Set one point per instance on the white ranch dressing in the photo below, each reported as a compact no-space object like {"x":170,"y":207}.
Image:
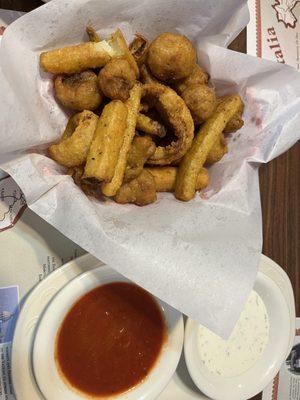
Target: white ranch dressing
{"x":245,"y":346}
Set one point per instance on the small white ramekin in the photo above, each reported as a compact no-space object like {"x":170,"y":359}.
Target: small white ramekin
{"x":47,"y":376}
{"x":255,"y":379}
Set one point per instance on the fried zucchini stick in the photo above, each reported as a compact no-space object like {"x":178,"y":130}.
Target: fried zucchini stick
{"x":105,"y":148}
{"x":236,"y":121}
{"x":133,"y":105}
{"x":196,"y":156}
{"x":165,"y":178}
{"x":78,"y":58}
{"x":218,"y":151}
{"x":118,"y":43}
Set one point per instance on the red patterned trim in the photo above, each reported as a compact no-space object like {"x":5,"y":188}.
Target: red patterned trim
{"x":17,"y":217}
{"x":275,"y":387}
{"x":258,"y":28}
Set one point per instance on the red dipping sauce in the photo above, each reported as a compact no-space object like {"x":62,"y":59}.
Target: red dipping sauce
{"x":110,"y":339}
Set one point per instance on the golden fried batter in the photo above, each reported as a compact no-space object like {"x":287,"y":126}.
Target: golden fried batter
{"x":145,"y":75}
{"x":105,"y":148}
{"x":72,"y":124}
{"x":236,"y":121}
{"x":145,"y":107}
{"x":140,"y":191}
{"x":200,"y":100}
{"x":133,"y":105}
{"x":165,"y":178}
{"x":171,"y":57}
{"x":116,"y":79}
{"x":83,"y":56}
{"x":89,"y":188}
{"x":142,"y":148}
{"x":138,"y":48}
{"x":119,"y":44}
{"x":234,"y":124}
{"x":177,"y":116}
{"x":149,"y":98}
{"x":198,"y":76}
{"x":147,"y":125}
{"x":79,"y":91}
{"x":73,"y":148}
{"x":72,"y":59}
{"x":219,"y":150}
{"x":207,"y":136}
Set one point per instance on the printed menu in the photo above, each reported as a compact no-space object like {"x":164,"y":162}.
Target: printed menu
{"x":286,"y":384}
{"x":274,"y":30}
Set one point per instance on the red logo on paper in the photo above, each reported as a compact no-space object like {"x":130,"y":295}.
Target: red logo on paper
{"x":12,"y":203}
{"x":284,"y":12}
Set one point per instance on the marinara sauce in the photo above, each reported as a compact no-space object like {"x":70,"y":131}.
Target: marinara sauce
{"x":110,"y":339}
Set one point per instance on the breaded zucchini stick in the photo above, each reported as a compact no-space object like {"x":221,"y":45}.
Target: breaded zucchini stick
{"x":108,"y":139}
{"x":165,"y":178}
{"x":218,"y":150}
{"x":78,"y":58}
{"x":196,"y":156}
{"x":133,"y":105}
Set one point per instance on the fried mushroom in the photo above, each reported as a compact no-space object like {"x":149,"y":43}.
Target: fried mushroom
{"x":198,"y":76}
{"x":116,"y":79}
{"x":79,"y":91}
{"x":171,"y":57}
{"x":139,"y":191}
{"x":200,"y":100}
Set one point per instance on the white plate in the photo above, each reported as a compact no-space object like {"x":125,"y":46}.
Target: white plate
{"x":265,"y":369}
{"x":45,"y":371}
{"x":22,"y":374}
{"x":181,"y":386}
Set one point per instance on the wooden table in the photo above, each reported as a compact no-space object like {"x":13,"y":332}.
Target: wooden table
{"x":279,"y":188}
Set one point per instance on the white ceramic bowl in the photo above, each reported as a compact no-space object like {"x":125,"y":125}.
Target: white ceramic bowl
{"x":45,"y":370}
{"x":255,"y":379}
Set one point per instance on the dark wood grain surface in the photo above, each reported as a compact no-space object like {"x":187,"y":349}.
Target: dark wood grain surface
{"x":279,"y":187}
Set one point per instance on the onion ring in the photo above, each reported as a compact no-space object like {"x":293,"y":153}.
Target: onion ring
{"x":177,"y":116}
